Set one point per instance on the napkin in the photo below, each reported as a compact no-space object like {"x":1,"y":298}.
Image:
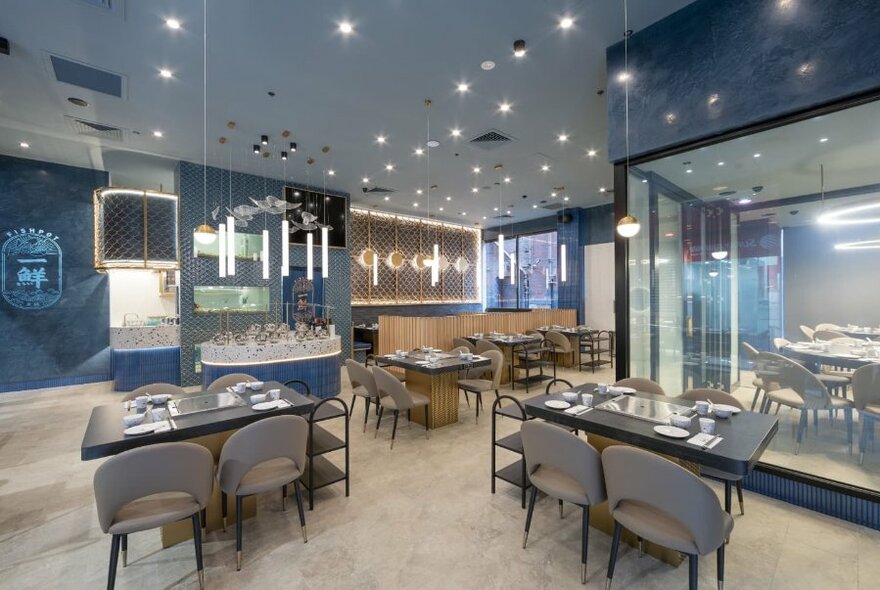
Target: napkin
{"x":702,"y":438}
{"x":578,"y":410}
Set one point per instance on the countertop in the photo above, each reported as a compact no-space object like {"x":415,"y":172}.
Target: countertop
{"x":284,"y":350}
{"x":133,"y":337}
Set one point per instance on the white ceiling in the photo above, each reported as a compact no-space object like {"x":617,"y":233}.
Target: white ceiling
{"x":330,"y":90}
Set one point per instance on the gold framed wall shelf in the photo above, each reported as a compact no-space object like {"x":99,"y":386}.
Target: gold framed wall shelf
{"x":391,"y":257}
{"x":136,"y":229}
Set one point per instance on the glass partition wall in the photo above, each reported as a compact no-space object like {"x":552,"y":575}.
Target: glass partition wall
{"x":530,"y":272}
{"x":744,"y":242}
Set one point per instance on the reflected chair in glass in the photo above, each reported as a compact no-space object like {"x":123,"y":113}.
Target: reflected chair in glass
{"x":155,"y":389}
{"x":802,"y":390}
{"x":827,"y":326}
{"x":394,"y":396}
{"x":263,"y":456}
{"x":564,"y":467}
{"x":807,"y":331}
{"x":478,"y":386}
{"x":716,"y":396}
{"x":641,"y":384}
{"x":866,"y":394}
{"x":363,"y":384}
{"x":459,"y":342}
{"x":832,"y":378}
{"x":230,"y":380}
{"x":528,"y":357}
{"x":149,"y":487}
{"x":759,"y":382}
{"x":827,"y":335}
{"x":664,"y":503}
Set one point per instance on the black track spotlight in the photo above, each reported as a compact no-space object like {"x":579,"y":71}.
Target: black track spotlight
{"x":284,"y":156}
{"x":264,"y":139}
{"x":293,"y":146}
{"x":519,"y":48}
{"x":256,"y":149}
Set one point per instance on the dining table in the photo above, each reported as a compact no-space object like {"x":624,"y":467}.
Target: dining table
{"x":435,"y":374}
{"x":743,"y":437}
{"x":860,"y":332}
{"x":507,"y":343}
{"x":104,"y":436}
{"x":817,"y":356}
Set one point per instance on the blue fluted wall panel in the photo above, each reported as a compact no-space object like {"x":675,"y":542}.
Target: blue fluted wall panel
{"x":322,"y":374}
{"x":762,"y":58}
{"x":132,"y":368}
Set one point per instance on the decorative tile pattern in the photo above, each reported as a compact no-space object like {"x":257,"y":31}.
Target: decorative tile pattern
{"x":321,"y":373}
{"x":142,"y":366}
{"x":144,"y":337}
{"x":255,"y":353}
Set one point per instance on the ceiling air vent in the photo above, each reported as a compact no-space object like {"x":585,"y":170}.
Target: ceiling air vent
{"x":379,"y":190}
{"x":491,"y":139}
{"x":92,"y":129}
{"x":552,"y":206}
{"x":86,"y":76}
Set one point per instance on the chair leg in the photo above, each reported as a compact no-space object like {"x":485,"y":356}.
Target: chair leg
{"x":238,"y":524}
{"x":284,"y":498}
{"x":394,"y":427}
{"x":114,"y":557}
{"x":351,"y":409}
{"x":532,"y":498}
{"x":479,"y":403}
{"x":612,"y":558}
{"x":755,"y":399}
{"x":848,"y":416}
{"x":467,"y":398}
{"x":721,"y":567}
{"x":366,"y":413}
{"x":585,"y":542}
{"x":693,"y":571}
{"x":223,"y":509}
{"x":299,"y":507}
{"x":197,"y":542}
{"x":739,"y":496}
{"x":727,"y":495}
{"x":560,"y":510}
{"x":863,"y":436}
{"x":124,"y":550}
{"x":204,"y":517}
{"x":802,"y":426}
{"x":379,"y":420}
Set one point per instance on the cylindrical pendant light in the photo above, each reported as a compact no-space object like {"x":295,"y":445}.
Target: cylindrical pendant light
{"x":285,"y":248}
{"x":563,"y":264}
{"x":501,"y":256}
{"x":310,"y":260}
{"x":435,"y":266}
{"x":265,"y":253}
{"x":325,"y":252}
{"x":512,"y":268}
{"x":375,"y":269}
{"x":221,"y":250}
{"x":230,"y":246}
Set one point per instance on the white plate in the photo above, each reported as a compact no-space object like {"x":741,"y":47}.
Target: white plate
{"x":619,"y":389}
{"x":263,"y":406}
{"x":671,"y":431}
{"x":139,"y":429}
{"x":722,"y":407}
{"x":557,"y":404}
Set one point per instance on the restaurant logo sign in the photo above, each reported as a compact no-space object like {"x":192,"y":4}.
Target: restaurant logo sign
{"x":30,"y":263}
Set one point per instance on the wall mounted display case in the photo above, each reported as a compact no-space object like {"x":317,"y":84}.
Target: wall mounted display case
{"x":221,"y":299}
{"x":136,"y":229}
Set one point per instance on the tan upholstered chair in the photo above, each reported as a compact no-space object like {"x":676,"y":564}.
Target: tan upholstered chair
{"x":641,"y":384}
{"x":363,"y":384}
{"x":478,"y":386}
{"x":807,"y":331}
{"x":716,"y":396}
{"x":780,"y":343}
{"x":149,"y":487}
{"x":561,"y":343}
{"x":757,"y":381}
{"x":263,"y":456}
{"x":827,"y":326}
{"x":484,"y":345}
{"x":826,"y":335}
{"x":458,"y":342}
{"x":155,"y":389}
{"x":229,"y":380}
{"x":564,"y":467}
{"x":664,"y":503}
{"x":866,"y":393}
{"x":396,"y":397}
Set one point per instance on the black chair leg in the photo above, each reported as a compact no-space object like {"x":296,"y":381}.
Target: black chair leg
{"x":124,"y":550}
{"x":755,"y":399}
{"x":479,"y":403}
{"x":693,"y":571}
{"x":114,"y":557}
{"x":585,"y":542}
{"x":204,"y":517}
{"x":394,"y":428}
{"x":612,"y":558}
{"x":299,"y":506}
{"x":721,"y":567}
{"x":197,"y":542}
{"x":223,"y":509}
{"x":727,"y":495}
{"x":238,"y":524}
{"x":739,"y":496}
{"x":351,"y":409}
{"x":802,"y":426}
{"x":532,"y":499}
{"x":379,"y":420}
{"x":284,"y":498}
{"x":366,"y":413}
{"x":863,"y":437}
{"x":848,"y":416}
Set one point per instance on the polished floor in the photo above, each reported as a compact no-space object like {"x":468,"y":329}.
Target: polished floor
{"x":419,"y":516}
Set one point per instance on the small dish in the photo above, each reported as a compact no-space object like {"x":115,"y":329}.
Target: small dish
{"x":159,"y":399}
{"x":263,"y":406}
{"x":140,"y":429}
{"x":724,"y":409}
{"x":680,"y":421}
{"x":620,"y":389}
{"x":557,"y":404}
{"x":255,"y":385}
{"x":671,"y":431}
{"x":258,"y":398}
{"x":133,"y":419}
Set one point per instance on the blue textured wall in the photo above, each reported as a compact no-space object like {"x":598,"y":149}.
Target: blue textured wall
{"x":763,"y":59}
{"x":68,"y":342}
{"x":196,"y":328}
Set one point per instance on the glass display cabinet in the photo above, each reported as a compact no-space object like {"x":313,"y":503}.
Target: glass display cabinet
{"x":247,"y":247}
{"x":219,"y":299}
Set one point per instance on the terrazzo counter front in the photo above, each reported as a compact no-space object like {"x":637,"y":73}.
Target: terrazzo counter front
{"x":131,"y":337}
{"x":140,"y":355}
{"x":316,"y":362}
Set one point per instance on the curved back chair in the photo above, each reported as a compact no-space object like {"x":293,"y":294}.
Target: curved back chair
{"x":664,"y":503}
{"x":826,"y":335}
{"x":565,"y":467}
{"x":484,"y":345}
{"x":458,"y":342}
{"x":641,"y":384}
{"x":151,"y":486}
{"x":155,"y":388}
{"x":263,"y":456}
{"x":827,"y":326}
{"x":396,"y":397}
{"x":230,"y":379}
{"x":758,"y":381}
{"x":561,"y":343}
{"x":363,"y":384}
{"x":866,"y":392}
{"x":807,"y":331}
{"x":478,"y":386}
{"x":715,"y":396}
{"x":780,"y":343}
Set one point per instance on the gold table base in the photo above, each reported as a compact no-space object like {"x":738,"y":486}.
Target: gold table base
{"x":442,"y":390}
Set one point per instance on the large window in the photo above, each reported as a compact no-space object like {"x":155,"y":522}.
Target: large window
{"x":530,"y":267}
{"x":755,"y":243}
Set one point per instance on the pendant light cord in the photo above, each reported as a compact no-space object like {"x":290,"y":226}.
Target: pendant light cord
{"x":205,"y":109}
{"x":626,"y":34}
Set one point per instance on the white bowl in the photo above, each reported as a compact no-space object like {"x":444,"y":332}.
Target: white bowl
{"x":160,"y":398}
{"x":258,"y":398}
{"x":570,"y":396}
{"x":721,"y":412}
{"x":133,"y":419}
{"x":680,"y":421}
{"x":239,"y":388}
{"x":256,"y":385}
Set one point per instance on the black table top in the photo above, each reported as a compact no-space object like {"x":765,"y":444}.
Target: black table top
{"x":506,"y":340}
{"x":444,"y":365}
{"x":104,"y":437}
{"x":827,"y":358}
{"x":746,"y":435}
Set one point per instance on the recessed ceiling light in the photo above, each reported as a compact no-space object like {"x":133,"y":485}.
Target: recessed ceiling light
{"x":346,"y":28}
{"x":448,"y":198}
{"x":166,"y":73}
{"x":331,"y":172}
{"x":476,"y":169}
{"x":389,"y":167}
{"x":475,"y":189}
{"x":463,"y":213}
{"x":744,"y":201}
{"x":77,"y":101}
{"x":484,"y":217}
{"x":563,"y":137}
{"x":669,"y":234}
{"x":519,"y":48}
{"x":565,"y":199}
{"x":504,"y":107}
{"x":534,"y":206}
{"x":387,"y":198}
{"x":602,"y":189}
{"x":172,"y":23}
{"x":508,"y":211}
{"x":380,"y":139}
{"x":495,"y":209}
{"x":545,"y":167}
{"x":440,"y":208}
{"x":463,"y":87}
{"x":455,"y":132}
{"x":756,"y":155}
{"x":507,"y":179}
{"x":365,"y":179}
{"x":415,"y":204}
{"x":157,"y":133}
{"x":823,"y":140}
{"x":419,"y":151}
{"x":688,"y":171}
{"x":645,"y":180}
{"x":256,"y":149}
{"x":488,"y":65}
{"x":721,"y":163}
{"x":566,"y":22}
{"x":553,"y":194}
{"x":592,"y":153}
{"x":623,"y":77}
{"x":432,"y":143}
{"x":24,"y":145}
{"x":418,"y":191}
